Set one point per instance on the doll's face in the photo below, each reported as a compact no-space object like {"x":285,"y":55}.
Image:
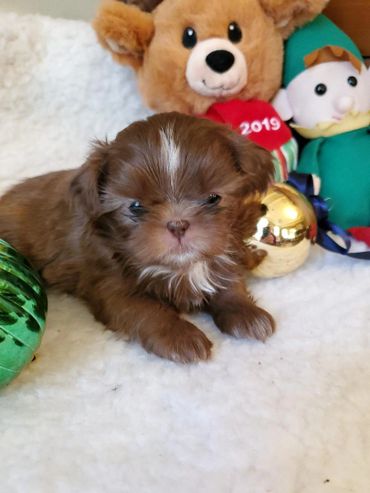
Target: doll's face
{"x":327,"y":92}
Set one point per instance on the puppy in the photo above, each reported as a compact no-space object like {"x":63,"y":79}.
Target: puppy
{"x":150,"y":226}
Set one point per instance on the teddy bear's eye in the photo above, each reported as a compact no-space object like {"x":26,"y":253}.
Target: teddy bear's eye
{"x":189,"y":37}
{"x":321,"y":89}
{"x":234,"y":32}
{"x":352,"y":81}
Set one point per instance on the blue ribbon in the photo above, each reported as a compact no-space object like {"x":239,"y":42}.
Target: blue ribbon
{"x":304,"y":184}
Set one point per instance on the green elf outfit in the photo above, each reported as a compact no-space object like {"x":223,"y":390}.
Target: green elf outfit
{"x":338,"y":152}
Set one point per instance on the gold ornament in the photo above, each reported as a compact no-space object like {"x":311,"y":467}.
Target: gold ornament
{"x":285,"y":232}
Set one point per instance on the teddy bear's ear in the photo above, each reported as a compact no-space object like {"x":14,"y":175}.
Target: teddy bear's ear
{"x":290,"y":14}
{"x":145,"y":5}
{"x":125,"y":30}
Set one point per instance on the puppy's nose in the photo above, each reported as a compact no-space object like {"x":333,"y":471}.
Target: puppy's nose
{"x":178,"y":228}
{"x":220,"y":61}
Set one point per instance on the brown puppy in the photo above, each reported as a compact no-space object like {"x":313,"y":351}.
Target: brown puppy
{"x":150,"y":226}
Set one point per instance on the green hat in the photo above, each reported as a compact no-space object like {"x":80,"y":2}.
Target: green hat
{"x":317,"y":34}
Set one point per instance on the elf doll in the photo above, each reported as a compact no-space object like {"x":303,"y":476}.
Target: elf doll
{"x":327,"y":93}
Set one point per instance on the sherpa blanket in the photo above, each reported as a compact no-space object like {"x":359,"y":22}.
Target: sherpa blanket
{"x":94,"y":414}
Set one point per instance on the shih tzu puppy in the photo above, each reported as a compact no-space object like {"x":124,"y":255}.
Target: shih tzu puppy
{"x":152,"y":225}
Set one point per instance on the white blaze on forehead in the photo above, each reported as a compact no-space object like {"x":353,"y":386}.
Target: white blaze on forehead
{"x":170,"y":152}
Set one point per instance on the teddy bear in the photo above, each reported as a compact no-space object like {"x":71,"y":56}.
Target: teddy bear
{"x":219,"y":60}
{"x":327,"y":93}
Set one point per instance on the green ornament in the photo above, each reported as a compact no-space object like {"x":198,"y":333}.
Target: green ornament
{"x":23,"y":307}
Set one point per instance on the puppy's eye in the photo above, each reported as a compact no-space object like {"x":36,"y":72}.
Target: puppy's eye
{"x":352,"y":81}
{"x":137,"y":208}
{"x":234,"y":32}
{"x":189,"y":38}
{"x":213,"y":199}
{"x":321,"y":89}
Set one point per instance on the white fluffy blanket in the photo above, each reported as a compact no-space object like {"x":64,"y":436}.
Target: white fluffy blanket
{"x":96,"y":415}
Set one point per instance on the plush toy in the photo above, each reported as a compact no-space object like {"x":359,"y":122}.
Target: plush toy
{"x":221,"y":60}
{"x":327,"y":93}
{"x":23,"y":306}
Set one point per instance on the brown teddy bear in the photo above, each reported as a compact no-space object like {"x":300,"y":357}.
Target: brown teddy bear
{"x":221,"y":59}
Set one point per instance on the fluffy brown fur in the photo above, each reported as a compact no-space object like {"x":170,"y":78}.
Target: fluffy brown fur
{"x":162,"y":60}
{"x":290,"y":14}
{"x":150,"y":226}
{"x":145,"y":5}
{"x":126,"y":37}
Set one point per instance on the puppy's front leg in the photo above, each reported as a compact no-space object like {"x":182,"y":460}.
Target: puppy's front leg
{"x":235,"y":312}
{"x":158,"y":327}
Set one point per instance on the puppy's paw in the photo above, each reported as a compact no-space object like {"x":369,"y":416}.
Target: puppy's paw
{"x":247,"y":321}
{"x":183,"y":343}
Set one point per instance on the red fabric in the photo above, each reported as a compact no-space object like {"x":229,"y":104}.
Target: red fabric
{"x":361,"y":234}
{"x":257,"y":120}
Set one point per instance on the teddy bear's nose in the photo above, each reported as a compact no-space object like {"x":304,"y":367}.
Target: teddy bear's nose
{"x":220,"y":60}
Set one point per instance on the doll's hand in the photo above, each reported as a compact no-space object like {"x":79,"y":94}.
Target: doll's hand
{"x":316,"y":184}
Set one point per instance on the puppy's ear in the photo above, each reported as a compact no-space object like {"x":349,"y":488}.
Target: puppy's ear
{"x":253,"y":161}
{"x":288,"y":15}
{"x":124,"y":30}
{"x":87,"y":187}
